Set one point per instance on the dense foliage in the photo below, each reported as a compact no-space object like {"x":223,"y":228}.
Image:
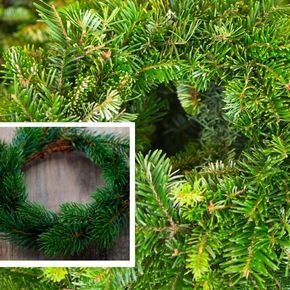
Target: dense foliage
{"x":206,"y":81}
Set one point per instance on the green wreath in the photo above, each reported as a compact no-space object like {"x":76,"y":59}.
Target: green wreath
{"x":75,"y":226}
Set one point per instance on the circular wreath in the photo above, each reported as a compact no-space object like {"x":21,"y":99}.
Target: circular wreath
{"x":75,"y":226}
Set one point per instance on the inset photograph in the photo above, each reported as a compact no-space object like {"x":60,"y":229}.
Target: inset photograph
{"x":67,"y":193}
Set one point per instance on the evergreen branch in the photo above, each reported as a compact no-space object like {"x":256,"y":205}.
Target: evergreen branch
{"x":59,"y":20}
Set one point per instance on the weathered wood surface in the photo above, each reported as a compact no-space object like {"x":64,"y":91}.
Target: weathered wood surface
{"x":59,"y":178}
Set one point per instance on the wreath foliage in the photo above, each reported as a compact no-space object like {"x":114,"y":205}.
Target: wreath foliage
{"x":75,"y":226}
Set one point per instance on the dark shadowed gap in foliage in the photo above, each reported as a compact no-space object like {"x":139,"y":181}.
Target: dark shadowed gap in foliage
{"x":175,"y":130}
{"x":208,"y":129}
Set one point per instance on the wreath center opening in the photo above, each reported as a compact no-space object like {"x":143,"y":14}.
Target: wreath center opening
{"x":61,"y":177}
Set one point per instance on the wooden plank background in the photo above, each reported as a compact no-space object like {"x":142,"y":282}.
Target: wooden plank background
{"x":59,"y":178}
